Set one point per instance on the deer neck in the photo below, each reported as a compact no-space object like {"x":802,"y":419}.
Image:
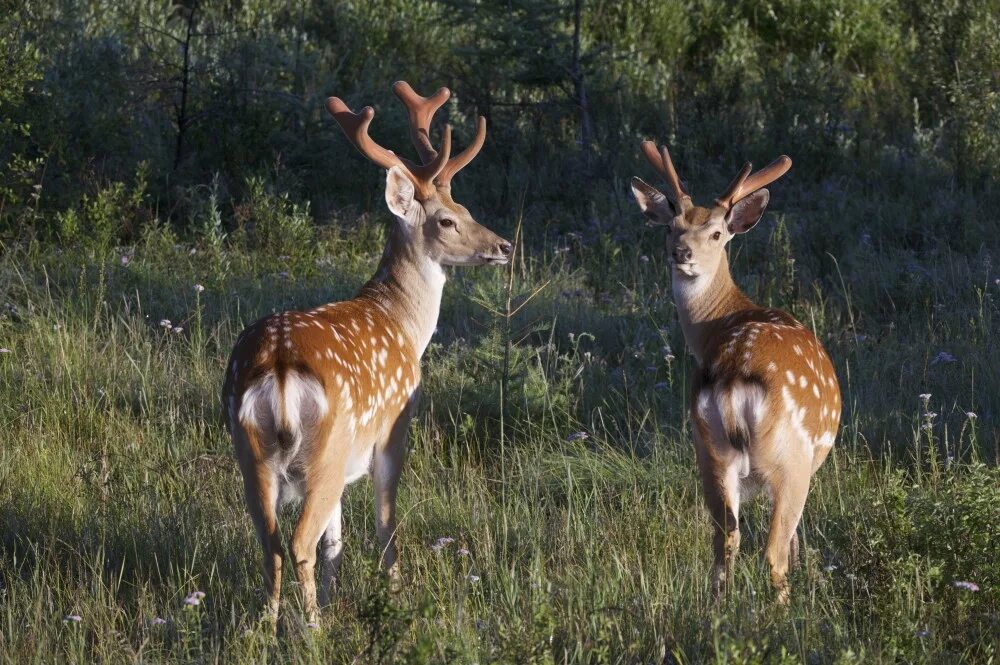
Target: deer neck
{"x":702,"y":301}
{"x":408,"y":285}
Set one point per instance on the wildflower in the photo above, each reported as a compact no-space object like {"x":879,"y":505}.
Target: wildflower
{"x":194,"y":598}
{"x":442,"y":543}
{"x":4,"y":350}
{"x":852,"y":576}
{"x":662,"y":385}
{"x":198,"y":288}
{"x":313,"y":625}
{"x":830,"y":568}
{"x":965,"y":586}
{"x":283,"y":274}
{"x":922,"y":633}
{"x":463,"y":552}
{"x":177,"y":330}
{"x":125,"y":259}
{"x":644,"y":258}
{"x":943,"y":357}
{"x":157,"y":621}
{"x":73,"y":618}
{"x":165,"y":323}
{"x":924,"y":397}
{"x":192,"y":252}
{"x":473,"y":578}
{"x":971,"y":415}
{"x":578,"y":436}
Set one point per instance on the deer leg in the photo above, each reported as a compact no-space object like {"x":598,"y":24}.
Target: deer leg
{"x":793,"y":551}
{"x":332,"y":551}
{"x":720,"y":465}
{"x":722,"y":498}
{"x":789,"y":492}
{"x":260,"y":487}
{"x":388,"y":467}
{"x":323,"y":492}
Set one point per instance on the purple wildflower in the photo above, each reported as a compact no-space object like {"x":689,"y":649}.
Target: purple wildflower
{"x":442,"y":543}
{"x":194,"y":598}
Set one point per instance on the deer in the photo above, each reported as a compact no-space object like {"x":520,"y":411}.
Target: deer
{"x":315,"y":400}
{"x":765,"y":401}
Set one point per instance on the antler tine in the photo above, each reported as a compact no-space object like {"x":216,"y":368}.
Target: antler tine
{"x":421,"y":111}
{"x":732,"y":192}
{"x":355,"y":127}
{"x":660,"y":160}
{"x":745,"y":184}
{"x":461,"y":160}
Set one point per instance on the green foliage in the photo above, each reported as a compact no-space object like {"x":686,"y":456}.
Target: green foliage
{"x":276,"y":227}
{"x":202,"y":90}
{"x":553,"y":442}
{"x":112,"y":213}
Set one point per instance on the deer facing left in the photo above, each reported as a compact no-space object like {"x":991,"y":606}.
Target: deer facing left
{"x":317,"y":399}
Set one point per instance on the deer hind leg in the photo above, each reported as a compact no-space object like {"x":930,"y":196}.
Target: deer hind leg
{"x":388,"y":466}
{"x":793,"y":551}
{"x":261,"y":488}
{"x":722,"y":495}
{"x":324,"y":488}
{"x":789,"y":492}
{"x":722,"y":467}
{"x":332,"y":551}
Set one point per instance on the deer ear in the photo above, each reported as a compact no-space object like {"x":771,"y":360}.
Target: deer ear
{"x":399,"y":192}
{"x":745,"y":214}
{"x":654,"y":204}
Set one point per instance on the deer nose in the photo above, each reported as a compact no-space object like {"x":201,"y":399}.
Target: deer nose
{"x":682,"y":254}
{"x":505,"y":248}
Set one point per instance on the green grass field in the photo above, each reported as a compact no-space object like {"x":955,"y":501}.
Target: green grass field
{"x":119,"y":495}
{"x":550,"y":510}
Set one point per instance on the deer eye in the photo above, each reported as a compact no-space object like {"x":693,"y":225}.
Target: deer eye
{"x":447,"y":223}
{"x":716,"y":235}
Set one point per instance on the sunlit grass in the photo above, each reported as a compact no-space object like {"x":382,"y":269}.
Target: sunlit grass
{"x":579,"y":535}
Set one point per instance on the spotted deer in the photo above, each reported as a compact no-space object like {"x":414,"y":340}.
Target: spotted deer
{"x":317,"y":399}
{"x":765,"y":402}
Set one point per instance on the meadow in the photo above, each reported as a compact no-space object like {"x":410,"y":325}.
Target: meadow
{"x":550,"y":509}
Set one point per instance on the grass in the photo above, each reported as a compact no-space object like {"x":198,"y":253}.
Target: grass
{"x":119,"y":495}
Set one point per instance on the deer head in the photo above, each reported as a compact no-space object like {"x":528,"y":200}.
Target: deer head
{"x":698,"y":236}
{"x":419,"y":193}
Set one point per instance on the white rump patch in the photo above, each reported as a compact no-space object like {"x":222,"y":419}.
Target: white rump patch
{"x":290,"y":408}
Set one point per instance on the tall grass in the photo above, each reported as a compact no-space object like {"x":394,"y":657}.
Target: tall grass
{"x":579,"y":533}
